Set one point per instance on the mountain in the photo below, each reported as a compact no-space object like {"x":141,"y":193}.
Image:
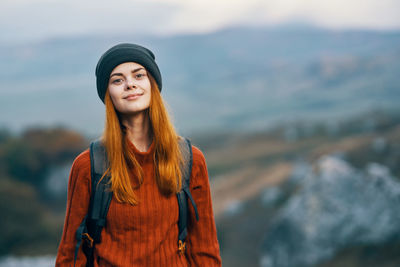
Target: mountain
{"x":240,"y":79}
{"x":308,"y":194}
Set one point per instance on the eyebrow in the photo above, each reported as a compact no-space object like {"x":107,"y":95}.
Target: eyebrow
{"x":120,"y":74}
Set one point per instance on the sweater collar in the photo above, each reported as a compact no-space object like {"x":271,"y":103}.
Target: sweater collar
{"x":142,"y":154}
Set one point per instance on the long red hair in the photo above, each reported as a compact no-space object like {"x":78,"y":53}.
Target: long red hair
{"x":167,"y":157}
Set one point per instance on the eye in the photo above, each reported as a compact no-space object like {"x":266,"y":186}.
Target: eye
{"x":140,"y":75}
{"x":117,"y":81}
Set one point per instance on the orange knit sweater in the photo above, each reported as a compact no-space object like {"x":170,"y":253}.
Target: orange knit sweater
{"x":145,"y":234}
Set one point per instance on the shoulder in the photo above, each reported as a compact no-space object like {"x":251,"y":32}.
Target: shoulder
{"x":80,"y":170}
{"x":199,"y":167}
{"x":198,"y":156}
{"x":199,"y":176}
{"x":82,"y":161}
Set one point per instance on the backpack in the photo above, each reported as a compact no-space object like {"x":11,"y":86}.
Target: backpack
{"x":92,"y":224}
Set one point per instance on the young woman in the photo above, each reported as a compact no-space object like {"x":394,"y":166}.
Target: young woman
{"x":143,"y":152}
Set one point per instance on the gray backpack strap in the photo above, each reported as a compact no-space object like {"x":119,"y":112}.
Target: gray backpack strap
{"x":100,"y":198}
{"x":101,"y":193}
{"x":184,"y":193}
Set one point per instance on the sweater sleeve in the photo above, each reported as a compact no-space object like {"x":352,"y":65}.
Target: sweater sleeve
{"x":202,"y":242}
{"x":77,"y":205}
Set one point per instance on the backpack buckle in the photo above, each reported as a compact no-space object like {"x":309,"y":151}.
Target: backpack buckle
{"x":181,"y":247}
{"x":88,"y":239}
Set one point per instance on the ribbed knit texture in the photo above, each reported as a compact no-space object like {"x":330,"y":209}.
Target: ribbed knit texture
{"x":146,"y":234}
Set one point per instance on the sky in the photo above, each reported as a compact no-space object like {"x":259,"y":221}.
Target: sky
{"x":33,"y":20}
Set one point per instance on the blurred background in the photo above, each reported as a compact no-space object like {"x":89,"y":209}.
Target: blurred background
{"x":294,"y":104}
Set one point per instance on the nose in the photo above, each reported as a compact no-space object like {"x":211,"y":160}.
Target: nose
{"x":130,"y":84}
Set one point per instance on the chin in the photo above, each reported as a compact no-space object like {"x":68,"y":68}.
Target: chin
{"x":134,"y":112}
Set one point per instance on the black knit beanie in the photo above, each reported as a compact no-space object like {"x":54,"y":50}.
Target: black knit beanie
{"x":121,"y":53}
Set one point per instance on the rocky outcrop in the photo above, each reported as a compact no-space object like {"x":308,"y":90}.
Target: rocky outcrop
{"x":334,"y":207}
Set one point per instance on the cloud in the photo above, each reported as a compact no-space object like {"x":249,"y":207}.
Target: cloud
{"x":36,"y":19}
{"x":374,"y":14}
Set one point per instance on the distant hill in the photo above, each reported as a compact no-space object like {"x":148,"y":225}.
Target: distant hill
{"x":233,"y":79}
{"x":269,"y":187}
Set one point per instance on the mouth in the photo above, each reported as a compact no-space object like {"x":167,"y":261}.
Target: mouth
{"x":133,"y":96}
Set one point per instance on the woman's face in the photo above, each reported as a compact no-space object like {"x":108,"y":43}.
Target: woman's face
{"x":129,"y":87}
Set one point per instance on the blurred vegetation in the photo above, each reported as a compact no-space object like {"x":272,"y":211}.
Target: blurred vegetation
{"x":29,"y":223}
{"x":28,"y":157}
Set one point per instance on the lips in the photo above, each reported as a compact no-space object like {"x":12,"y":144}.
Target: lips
{"x":133,"y":96}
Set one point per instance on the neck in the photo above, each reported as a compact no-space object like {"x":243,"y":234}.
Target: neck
{"x":138,"y":130}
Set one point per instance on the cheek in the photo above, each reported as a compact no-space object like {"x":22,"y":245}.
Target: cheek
{"x":114,"y":92}
{"x":148,"y":100}
{"x":145,"y":84}
{"x":147,"y":87}
{"x":111,"y":91}
{"x":114,"y":97}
